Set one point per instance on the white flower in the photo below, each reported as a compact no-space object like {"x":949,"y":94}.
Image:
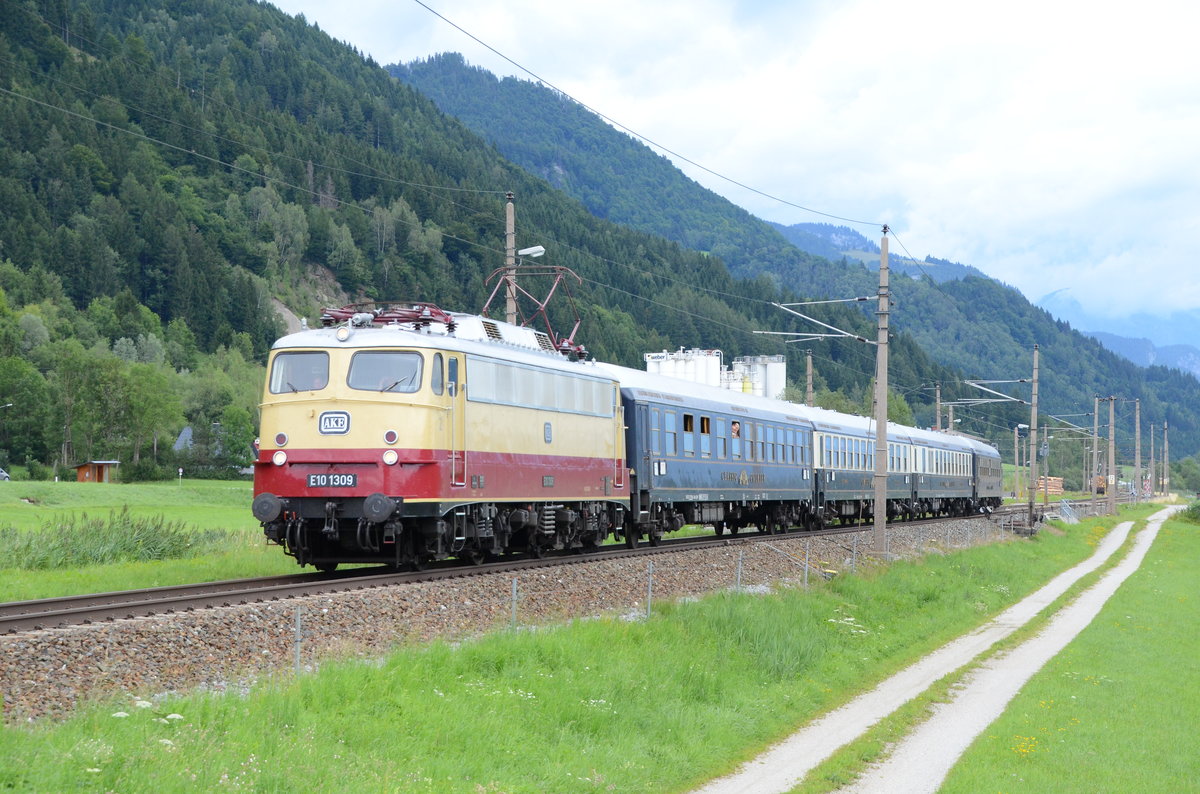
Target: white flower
{"x":174,"y":716}
{"x":92,"y":769}
{"x":166,"y":742}
{"x":143,"y":704}
{"x":120,"y":714}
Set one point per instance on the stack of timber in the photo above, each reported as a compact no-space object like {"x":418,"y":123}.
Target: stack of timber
{"x":1050,"y":485}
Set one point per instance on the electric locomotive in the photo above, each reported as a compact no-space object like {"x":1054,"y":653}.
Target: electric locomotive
{"x":408,"y":434}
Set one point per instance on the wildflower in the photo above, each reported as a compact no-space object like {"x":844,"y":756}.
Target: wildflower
{"x":166,"y":742}
{"x":143,"y":704}
{"x":174,"y":716}
{"x":120,"y":714}
{"x":93,"y":769}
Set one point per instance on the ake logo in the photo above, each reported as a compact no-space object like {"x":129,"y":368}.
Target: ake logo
{"x":333,"y":423}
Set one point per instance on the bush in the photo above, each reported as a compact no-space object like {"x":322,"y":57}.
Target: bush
{"x":1191,"y":513}
{"x":36,"y":470}
{"x":78,"y":540}
{"x":145,"y":470}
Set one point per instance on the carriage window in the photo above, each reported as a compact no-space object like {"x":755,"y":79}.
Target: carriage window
{"x":299,"y":371}
{"x":689,"y":438}
{"x":705,"y":437}
{"x":655,"y":427}
{"x":735,"y":439}
{"x":669,"y":428}
{"x":720,"y":435}
{"x":759,"y":431}
{"x":385,"y":370}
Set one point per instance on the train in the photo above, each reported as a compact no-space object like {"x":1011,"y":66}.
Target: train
{"x":402,"y":434}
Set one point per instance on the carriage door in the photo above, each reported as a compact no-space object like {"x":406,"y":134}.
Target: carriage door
{"x":457,"y":401}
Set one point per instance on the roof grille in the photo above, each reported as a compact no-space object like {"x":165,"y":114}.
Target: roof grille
{"x":492,"y":330}
{"x":544,"y":342}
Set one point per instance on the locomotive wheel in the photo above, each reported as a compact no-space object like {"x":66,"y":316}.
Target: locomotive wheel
{"x":719,"y":527}
{"x":475,"y":556}
{"x":733,"y":529}
{"x":326,"y":567}
{"x":655,"y":538}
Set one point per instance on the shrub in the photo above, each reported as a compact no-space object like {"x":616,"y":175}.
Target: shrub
{"x":79,"y":540}
{"x":1191,"y":513}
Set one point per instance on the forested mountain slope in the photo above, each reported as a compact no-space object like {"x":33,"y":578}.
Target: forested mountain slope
{"x":974,"y":324}
{"x":168,"y":168}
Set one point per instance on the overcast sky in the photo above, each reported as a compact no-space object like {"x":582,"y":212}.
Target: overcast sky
{"x":1051,"y":144}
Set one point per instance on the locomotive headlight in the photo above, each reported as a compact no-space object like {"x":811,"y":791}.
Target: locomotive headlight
{"x":279,"y":458}
{"x":281,"y":439}
{"x":342,"y":334}
{"x":390,"y":437}
{"x":390,"y":457}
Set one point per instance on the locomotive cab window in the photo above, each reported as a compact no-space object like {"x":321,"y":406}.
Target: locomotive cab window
{"x":435,"y":375}
{"x":385,"y":371}
{"x":299,"y":371}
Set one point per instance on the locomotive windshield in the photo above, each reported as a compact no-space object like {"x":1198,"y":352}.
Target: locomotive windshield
{"x":299,"y":371}
{"x":385,"y":370}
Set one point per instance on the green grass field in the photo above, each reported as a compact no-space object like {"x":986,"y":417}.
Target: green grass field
{"x":206,"y":504}
{"x":607,"y":704}
{"x":76,"y":524}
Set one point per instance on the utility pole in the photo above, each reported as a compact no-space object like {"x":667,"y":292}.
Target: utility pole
{"x":510,"y":260}
{"x":1137,"y":450}
{"x":1033,"y":423}
{"x":937,"y":401}
{"x":1150,"y":474}
{"x":1095,"y":450}
{"x":1112,"y":456}
{"x":878,"y":539}
{"x":950,"y":419}
{"x":808,"y":391}
{"x":1166,"y":463}
{"x":1016,"y":463}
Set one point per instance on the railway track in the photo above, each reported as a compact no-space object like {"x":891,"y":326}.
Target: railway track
{"x":50,"y":613}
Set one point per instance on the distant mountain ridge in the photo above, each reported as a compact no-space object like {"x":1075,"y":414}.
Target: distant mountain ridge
{"x":1145,"y":353}
{"x":838,"y":242}
{"x":1177,"y":328}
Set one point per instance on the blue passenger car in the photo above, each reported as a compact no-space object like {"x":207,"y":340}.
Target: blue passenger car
{"x":704,"y":455}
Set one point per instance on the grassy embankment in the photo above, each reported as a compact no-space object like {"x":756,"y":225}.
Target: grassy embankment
{"x":653,"y":705}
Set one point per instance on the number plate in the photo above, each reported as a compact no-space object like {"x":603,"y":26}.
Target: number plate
{"x":332,"y":480}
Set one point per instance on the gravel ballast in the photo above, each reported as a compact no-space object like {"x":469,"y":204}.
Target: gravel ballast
{"x":47,"y":674}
